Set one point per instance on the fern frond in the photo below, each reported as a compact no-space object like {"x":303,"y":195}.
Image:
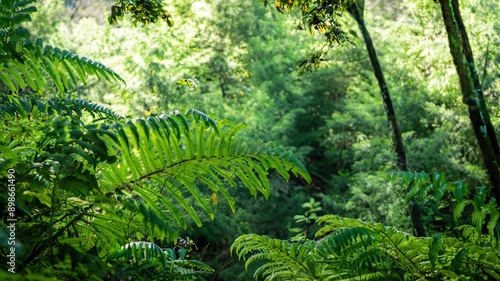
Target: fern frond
{"x":61,"y":66}
{"x":289,"y":261}
{"x":152,"y":261}
{"x":331,"y":223}
{"x":175,"y":152}
{"x":28,"y":63}
{"x":354,"y":250}
{"x":24,"y":106}
{"x":371,"y":259}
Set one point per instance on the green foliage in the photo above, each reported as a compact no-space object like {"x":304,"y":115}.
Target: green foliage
{"x":306,"y":220}
{"x":96,"y":194}
{"x":322,"y":16}
{"x":149,"y":260}
{"x":176,"y":151}
{"x":353,"y":249}
{"x":332,"y":118}
{"x":143,"y":11}
{"x":290,"y":261}
{"x":96,"y":187}
{"x":430,"y":189}
{"x":24,"y":62}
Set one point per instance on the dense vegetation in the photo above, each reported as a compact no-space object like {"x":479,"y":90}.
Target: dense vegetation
{"x":165,"y":159}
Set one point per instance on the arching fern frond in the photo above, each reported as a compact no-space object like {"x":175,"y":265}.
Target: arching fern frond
{"x":283,"y":260}
{"x":24,"y":62}
{"x":289,"y":261}
{"x":164,"y":158}
{"x":35,"y":62}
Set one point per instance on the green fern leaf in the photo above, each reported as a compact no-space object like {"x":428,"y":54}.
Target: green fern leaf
{"x":289,"y":261}
{"x":38,"y":77}
{"x":342,"y":239}
{"x":8,"y":81}
{"x":152,"y":197}
{"x":69,"y":70}
{"x":459,"y":208}
{"x":24,"y":72}
{"x":434,"y":249}
{"x":198,"y":115}
{"x":16,"y":75}
{"x":61,"y":65}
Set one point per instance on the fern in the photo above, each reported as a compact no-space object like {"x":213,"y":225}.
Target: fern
{"x":84,"y":191}
{"x":289,"y":261}
{"x":172,"y":263}
{"x":35,"y":62}
{"x":24,"y":62}
{"x":24,"y":106}
{"x":354,"y":250}
{"x":162,"y":165}
{"x":164,"y":158}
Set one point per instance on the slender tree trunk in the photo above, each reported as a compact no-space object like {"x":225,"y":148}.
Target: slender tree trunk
{"x":356,"y":10}
{"x":472,"y":93}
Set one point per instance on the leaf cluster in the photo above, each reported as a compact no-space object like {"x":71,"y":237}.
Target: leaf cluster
{"x":143,"y":11}
{"x":353,"y":249}
{"x":322,"y":16}
{"x":92,"y":187}
{"x":96,"y":200}
{"x":24,"y":62}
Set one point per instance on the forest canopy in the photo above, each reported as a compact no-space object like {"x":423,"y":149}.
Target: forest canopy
{"x":249,"y":140}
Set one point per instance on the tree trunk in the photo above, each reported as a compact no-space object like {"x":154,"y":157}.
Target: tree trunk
{"x":356,"y":10}
{"x":472,"y":93}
